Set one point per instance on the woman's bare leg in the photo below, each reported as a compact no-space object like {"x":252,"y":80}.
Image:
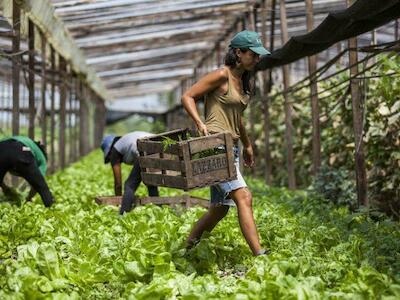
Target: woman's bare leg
{"x":243,"y":200}
{"x":207,"y":222}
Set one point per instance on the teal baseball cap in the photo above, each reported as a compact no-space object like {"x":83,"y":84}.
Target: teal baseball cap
{"x":249,"y":40}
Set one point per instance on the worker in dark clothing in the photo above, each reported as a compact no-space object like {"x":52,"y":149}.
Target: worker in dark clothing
{"x":123,"y":149}
{"x":25,"y":158}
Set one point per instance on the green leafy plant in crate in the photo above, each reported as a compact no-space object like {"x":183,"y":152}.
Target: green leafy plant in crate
{"x":167,"y":141}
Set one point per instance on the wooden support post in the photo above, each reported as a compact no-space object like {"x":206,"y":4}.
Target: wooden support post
{"x":244,"y":25}
{"x":182,"y":88}
{"x":4,"y":102}
{"x":373,"y":42}
{"x":89,"y":120}
{"x":373,"y":37}
{"x":52,"y":111}
{"x":74,"y":111}
{"x":252,"y":103}
{"x":63,"y":98}
{"x":358,"y":108}
{"x":266,"y":78}
{"x":340,"y":46}
{"x":219,"y":55}
{"x":100,"y":120}
{"x":83,"y":120}
{"x":272,"y":31}
{"x":251,"y":27}
{"x":16,"y":60}
{"x":81,"y":113}
{"x":288,"y":106}
{"x":312,"y":68}
{"x":3,"y":106}
{"x":396,"y":30}
{"x":43,"y":92}
{"x":70,"y":113}
{"x":31,"y":79}
{"x":76,"y":124}
{"x":92,"y":118}
{"x":239,"y":26}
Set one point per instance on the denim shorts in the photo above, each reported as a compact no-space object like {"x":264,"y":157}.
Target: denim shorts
{"x":220,"y":192}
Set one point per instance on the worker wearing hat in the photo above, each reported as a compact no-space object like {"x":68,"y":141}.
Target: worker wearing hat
{"x":25,"y":158}
{"x":226,"y":93}
{"x":123,"y":149}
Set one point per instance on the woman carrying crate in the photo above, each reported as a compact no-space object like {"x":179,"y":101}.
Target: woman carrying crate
{"x":226,"y":92}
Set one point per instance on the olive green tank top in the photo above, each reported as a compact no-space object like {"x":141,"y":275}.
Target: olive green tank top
{"x":223,"y":111}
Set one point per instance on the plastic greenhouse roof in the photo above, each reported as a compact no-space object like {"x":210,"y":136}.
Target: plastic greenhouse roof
{"x":142,"y":47}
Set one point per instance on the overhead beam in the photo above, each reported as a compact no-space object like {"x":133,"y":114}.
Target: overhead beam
{"x":148,"y":54}
{"x":149,"y":34}
{"x":137,"y":19}
{"x":146,"y":45}
{"x":149,"y":76}
{"x":91,"y":50}
{"x":147,"y":67}
{"x":153,"y":87}
{"x":132,"y":11}
{"x":42,"y":14}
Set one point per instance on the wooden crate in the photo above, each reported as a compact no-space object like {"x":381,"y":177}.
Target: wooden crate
{"x":179,"y":165}
{"x":108,"y":200}
{"x":184,"y":200}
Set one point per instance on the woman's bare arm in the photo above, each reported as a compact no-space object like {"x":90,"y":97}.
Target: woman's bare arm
{"x":205,"y":85}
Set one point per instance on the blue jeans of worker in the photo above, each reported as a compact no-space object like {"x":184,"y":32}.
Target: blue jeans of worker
{"x":130,"y":187}
{"x":220,"y":192}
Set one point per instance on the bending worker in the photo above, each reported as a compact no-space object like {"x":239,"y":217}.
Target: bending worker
{"x":123,"y":149}
{"x":25,"y":158}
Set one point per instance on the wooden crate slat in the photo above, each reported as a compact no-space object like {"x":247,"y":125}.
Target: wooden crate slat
{"x":188,"y":172}
{"x":200,"y":144}
{"x":208,"y":164}
{"x":163,"y":200}
{"x":108,"y":200}
{"x":210,"y":178}
{"x":199,"y":201}
{"x":164,"y":180}
{"x":152,"y":147}
{"x":186,"y":200}
{"x":161,"y":164}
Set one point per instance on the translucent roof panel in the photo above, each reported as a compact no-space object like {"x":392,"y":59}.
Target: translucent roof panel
{"x":139,"y":47}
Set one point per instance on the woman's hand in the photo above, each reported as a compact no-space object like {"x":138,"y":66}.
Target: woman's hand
{"x":248,"y":156}
{"x":201,"y":127}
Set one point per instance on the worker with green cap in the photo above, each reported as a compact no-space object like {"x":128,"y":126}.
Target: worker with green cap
{"x":25,"y":158}
{"x":226,"y":92}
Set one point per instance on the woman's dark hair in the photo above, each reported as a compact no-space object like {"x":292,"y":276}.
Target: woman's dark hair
{"x":43,"y":148}
{"x":231,"y":59}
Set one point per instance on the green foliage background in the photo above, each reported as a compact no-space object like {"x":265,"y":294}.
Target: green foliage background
{"x":79,"y":250}
{"x":381,"y":98}
{"x":136,"y":123}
